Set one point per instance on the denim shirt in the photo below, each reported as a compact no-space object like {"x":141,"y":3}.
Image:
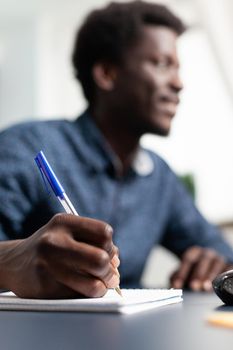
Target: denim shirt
{"x":147,"y":206}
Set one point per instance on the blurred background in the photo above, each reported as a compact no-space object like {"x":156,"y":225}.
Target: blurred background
{"x":36,"y":81}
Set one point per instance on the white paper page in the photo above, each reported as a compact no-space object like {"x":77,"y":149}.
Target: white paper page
{"x":133,"y":300}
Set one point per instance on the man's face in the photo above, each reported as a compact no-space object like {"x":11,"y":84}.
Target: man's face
{"x":147,"y":85}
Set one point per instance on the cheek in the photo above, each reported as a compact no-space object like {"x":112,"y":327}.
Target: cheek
{"x":146,"y":83}
{"x":153,"y":77}
{"x":138,"y":87}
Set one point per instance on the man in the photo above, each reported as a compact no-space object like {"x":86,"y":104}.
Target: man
{"x":125,"y":58}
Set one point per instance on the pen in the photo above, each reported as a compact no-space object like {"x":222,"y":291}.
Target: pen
{"x":48,"y":173}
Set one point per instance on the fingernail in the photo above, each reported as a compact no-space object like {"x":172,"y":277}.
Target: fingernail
{"x":177,"y":284}
{"x":115,"y":261}
{"x":113,"y":282}
{"x":195,"y":285}
{"x":118,"y":273}
{"x":207,"y":285}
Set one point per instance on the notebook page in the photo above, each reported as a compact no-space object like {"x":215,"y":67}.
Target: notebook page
{"x":133,"y":300}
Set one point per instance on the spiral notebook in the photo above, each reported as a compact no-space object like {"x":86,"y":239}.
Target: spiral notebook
{"x":132,"y":301}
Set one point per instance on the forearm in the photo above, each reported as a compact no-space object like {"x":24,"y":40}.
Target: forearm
{"x":8,"y":262}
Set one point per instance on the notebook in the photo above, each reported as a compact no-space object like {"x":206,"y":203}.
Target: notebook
{"x":132,"y":301}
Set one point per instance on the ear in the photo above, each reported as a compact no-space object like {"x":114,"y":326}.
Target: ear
{"x":104,"y":75}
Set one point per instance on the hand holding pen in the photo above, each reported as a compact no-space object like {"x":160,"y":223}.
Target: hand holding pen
{"x":97,"y":255}
{"x":69,"y":257}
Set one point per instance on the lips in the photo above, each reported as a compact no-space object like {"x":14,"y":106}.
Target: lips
{"x":170,"y":98}
{"x":167,"y":104}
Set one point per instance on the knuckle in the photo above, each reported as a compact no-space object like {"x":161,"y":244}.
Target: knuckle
{"x":188,"y":256}
{"x":43,"y":244}
{"x":211,"y":253}
{"x":192,"y":254}
{"x":96,"y":288}
{"x":47,"y":245}
{"x":57,"y":219}
{"x":101,"y":260}
{"x":106,"y":235}
{"x":108,"y":231}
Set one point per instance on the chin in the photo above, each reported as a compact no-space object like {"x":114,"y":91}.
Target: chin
{"x":152,"y":129}
{"x":163,"y":127}
{"x":159,"y":124}
{"x":153,"y":125}
{"x":161,"y":131}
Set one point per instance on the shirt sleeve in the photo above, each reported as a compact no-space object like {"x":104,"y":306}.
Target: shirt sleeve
{"x":187,"y":227}
{"x":18,"y":180}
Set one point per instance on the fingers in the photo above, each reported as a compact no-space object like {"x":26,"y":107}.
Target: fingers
{"x":188,"y":260}
{"x":93,"y":232}
{"x":206,"y":270}
{"x":88,"y":271}
{"x":199,"y":266}
{"x":84,"y":285}
{"x":89,"y":260}
{"x":69,"y":257}
{"x":68,"y":234}
{"x":87,"y":285}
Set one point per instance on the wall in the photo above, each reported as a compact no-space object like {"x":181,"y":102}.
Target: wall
{"x":17,"y":70}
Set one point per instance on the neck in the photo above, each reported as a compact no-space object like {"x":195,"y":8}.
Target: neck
{"x":122,"y":141}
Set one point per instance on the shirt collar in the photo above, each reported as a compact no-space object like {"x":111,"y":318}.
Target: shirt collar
{"x":98,"y":153}
{"x":143,"y":164}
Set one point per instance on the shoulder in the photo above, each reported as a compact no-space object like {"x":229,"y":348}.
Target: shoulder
{"x":35,"y":126}
{"x":28,"y":138}
{"x":42,"y":129}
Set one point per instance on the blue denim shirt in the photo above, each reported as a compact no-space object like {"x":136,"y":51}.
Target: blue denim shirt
{"x":147,"y":206}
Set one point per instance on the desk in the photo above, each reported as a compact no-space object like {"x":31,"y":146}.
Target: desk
{"x":180,"y":327}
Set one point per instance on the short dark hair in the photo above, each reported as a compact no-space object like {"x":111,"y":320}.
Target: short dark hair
{"x":107,"y":33}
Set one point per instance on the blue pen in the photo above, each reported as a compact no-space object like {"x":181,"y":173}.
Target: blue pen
{"x":48,"y":173}
{"x":57,"y":188}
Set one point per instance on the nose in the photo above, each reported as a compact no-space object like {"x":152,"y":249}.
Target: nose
{"x":175,"y":81}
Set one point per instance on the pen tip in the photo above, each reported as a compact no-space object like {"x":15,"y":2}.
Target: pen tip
{"x":117,"y":289}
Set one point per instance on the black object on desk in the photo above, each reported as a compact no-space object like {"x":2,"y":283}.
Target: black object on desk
{"x":223,"y":287}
